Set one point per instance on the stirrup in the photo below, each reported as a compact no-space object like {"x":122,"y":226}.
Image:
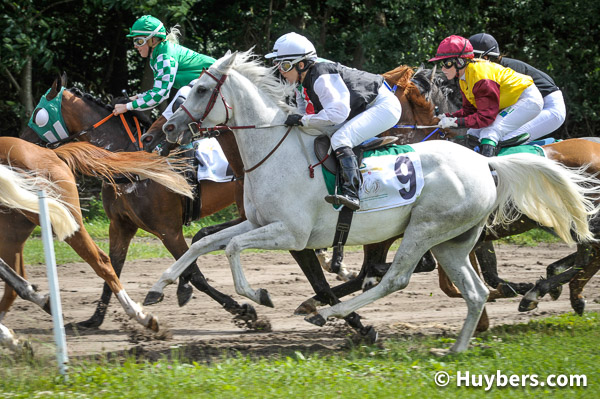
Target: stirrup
{"x":338,"y":199}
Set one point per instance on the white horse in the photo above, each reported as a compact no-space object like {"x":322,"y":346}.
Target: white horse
{"x":286,"y":210}
{"x":18,"y":191}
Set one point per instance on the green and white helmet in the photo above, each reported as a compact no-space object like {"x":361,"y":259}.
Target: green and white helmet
{"x":148,"y":26}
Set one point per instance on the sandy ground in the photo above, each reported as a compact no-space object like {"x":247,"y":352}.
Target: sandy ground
{"x":202,"y":329}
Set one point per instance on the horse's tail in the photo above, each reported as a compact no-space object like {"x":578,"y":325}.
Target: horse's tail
{"x":18,"y":190}
{"x":547,"y":192}
{"x":94,"y":161}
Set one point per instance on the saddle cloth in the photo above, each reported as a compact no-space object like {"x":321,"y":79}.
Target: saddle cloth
{"x":212,"y":164}
{"x":392,"y":177}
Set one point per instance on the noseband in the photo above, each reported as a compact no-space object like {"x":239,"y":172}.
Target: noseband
{"x":211,"y":104}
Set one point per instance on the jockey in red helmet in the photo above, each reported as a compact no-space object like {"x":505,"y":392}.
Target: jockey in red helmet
{"x":496,"y":100}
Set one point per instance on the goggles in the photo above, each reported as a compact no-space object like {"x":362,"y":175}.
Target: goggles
{"x":287,"y":65}
{"x":447,"y":63}
{"x":139,"y":41}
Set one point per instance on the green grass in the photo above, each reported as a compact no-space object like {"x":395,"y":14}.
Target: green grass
{"x":401,"y":367}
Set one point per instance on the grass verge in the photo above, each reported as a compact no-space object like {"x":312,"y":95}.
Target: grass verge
{"x":397,"y":367}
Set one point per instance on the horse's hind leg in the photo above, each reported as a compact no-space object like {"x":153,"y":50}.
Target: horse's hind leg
{"x":453,"y":256}
{"x":486,"y":255}
{"x":85,"y":247}
{"x":11,"y":251}
{"x":310,"y":265}
{"x":120,"y":234}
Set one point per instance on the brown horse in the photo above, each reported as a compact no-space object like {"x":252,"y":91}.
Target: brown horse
{"x":146,"y":205}
{"x":57,"y":167}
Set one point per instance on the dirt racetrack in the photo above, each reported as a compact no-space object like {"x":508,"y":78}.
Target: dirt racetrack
{"x":202,"y":329}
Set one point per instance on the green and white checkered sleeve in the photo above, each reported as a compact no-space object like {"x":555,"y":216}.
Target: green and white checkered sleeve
{"x":165,"y":70}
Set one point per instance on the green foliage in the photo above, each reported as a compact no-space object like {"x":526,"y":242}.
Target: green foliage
{"x":397,"y":367}
{"x":88,"y":40}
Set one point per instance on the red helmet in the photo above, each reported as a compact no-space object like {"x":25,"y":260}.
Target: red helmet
{"x":454,"y":47}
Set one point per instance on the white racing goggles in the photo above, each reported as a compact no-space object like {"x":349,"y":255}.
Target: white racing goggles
{"x":139,"y":41}
{"x":287,"y":65}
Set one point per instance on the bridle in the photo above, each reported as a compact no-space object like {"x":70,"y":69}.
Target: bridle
{"x":209,"y":107}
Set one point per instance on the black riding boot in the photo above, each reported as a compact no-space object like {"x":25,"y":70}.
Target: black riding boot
{"x":351,"y":180}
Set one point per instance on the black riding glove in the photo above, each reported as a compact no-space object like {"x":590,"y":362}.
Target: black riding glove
{"x":294,"y":120}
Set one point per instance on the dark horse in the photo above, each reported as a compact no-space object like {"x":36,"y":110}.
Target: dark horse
{"x":144,"y":204}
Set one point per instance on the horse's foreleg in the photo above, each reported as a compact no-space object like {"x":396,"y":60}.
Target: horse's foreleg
{"x":272,"y":236}
{"x":325,"y":261}
{"x":210,"y":243}
{"x":10,"y":341}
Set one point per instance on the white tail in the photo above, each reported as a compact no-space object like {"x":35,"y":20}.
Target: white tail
{"x":547,"y":192}
{"x":18,"y":190}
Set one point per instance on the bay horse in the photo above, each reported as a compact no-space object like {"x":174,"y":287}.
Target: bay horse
{"x":145,"y":205}
{"x":58,"y":166}
{"x":287,"y":211}
{"x":19,"y":193}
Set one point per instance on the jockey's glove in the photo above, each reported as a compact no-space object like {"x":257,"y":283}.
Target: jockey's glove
{"x":294,"y":120}
{"x":440,"y":116}
{"x":447,"y":121}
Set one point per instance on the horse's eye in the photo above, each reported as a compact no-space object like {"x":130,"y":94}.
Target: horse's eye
{"x":201,"y":90}
{"x":41,"y":117}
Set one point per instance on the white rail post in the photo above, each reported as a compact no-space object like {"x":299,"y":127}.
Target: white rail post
{"x":57,"y":317}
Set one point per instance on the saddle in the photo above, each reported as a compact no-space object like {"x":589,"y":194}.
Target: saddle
{"x":322,"y":146}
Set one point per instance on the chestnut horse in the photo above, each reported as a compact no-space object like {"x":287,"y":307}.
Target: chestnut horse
{"x":19,"y":192}
{"x":57,"y":166}
{"x":145,"y":205}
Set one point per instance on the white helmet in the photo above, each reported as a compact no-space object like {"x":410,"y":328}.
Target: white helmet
{"x":293,"y":46}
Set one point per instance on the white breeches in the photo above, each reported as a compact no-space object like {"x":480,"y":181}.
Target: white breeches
{"x":551,"y":118}
{"x":510,"y":119}
{"x":381,"y":114}
{"x":183,"y":93}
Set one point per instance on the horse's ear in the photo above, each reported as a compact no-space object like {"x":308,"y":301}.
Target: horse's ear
{"x":55,"y":88}
{"x":228,"y":60}
{"x":63,"y":79}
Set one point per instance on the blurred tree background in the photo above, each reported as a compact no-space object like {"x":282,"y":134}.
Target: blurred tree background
{"x":86,"y":39}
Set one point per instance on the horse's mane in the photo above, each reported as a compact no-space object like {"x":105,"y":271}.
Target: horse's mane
{"x":247,"y":64}
{"x":87,"y":97}
{"x":402,"y":78}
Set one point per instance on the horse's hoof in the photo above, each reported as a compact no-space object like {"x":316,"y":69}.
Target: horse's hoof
{"x":92,"y":322}
{"x":246,"y":312}
{"x":307,"y":307}
{"x":555,"y":292}
{"x":153,"y":297}
{"x":46,"y":306}
{"x":527,"y":305}
{"x":578,"y":306}
{"x":184,"y":294}
{"x":153,"y":323}
{"x":316,"y":319}
{"x":264,"y":298}
{"x":439,"y":352}
{"x":370,"y":336}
